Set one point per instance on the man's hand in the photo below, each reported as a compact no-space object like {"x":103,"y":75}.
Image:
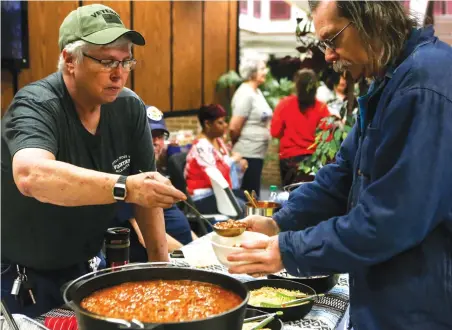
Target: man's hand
{"x":151,"y":189}
{"x":260,"y":262}
{"x":261,"y":224}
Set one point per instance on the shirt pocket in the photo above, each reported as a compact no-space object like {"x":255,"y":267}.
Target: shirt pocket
{"x":368,"y":149}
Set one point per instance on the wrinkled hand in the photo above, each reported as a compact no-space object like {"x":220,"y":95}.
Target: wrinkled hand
{"x":260,"y":262}
{"x":261,"y":224}
{"x":151,"y":189}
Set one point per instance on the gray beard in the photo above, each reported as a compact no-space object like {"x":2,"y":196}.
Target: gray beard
{"x":341,"y":66}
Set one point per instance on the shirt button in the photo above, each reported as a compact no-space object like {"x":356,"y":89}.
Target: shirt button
{"x":359,"y":172}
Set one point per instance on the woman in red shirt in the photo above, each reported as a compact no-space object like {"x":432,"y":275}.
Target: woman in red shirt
{"x":295,"y":121}
{"x":209,"y":150}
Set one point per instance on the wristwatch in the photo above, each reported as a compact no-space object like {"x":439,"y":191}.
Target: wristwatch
{"x":120,"y":189}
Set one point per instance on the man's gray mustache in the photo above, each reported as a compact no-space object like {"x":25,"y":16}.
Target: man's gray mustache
{"x":341,"y":66}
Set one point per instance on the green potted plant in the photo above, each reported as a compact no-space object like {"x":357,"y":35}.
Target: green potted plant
{"x":273,"y":89}
{"x":328,"y":141}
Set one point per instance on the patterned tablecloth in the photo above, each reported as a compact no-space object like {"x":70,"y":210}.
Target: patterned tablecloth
{"x":326,"y":313}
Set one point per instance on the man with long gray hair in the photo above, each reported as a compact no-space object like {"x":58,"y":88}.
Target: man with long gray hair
{"x":73,"y":144}
{"x":382,"y":212}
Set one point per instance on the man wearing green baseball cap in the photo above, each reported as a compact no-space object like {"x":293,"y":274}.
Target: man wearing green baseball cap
{"x":73,"y":145}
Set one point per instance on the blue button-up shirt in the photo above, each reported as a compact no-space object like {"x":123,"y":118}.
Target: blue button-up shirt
{"x":383,"y":211}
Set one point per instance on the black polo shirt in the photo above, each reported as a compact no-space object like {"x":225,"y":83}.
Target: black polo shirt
{"x":42,"y":115}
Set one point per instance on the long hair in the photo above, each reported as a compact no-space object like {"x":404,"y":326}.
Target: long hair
{"x":306,"y":85}
{"x":385,"y":22}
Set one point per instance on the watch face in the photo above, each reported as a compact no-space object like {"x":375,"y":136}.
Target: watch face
{"x":119,"y":192}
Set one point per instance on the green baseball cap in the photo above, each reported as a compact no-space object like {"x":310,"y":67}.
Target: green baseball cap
{"x":96,"y":24}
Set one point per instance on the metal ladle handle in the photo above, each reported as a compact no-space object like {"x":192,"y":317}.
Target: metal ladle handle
{"x":198,"y":213}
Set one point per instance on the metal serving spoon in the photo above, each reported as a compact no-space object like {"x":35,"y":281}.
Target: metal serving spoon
{"x":229,"y":231}
{"x":225,"y":232}
{"x":266,"y":319}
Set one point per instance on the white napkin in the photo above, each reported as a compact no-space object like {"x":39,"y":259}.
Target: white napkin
{"x":200,"y":256}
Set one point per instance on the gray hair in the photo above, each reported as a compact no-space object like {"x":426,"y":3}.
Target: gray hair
{"x":384,"y":21}
{"x":77,"y":48}
{"x":249,"y":65}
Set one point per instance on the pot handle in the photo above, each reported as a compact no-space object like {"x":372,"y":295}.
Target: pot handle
{"x":135,"y":324}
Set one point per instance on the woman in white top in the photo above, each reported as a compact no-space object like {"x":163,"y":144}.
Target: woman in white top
{"x":251,"y":117}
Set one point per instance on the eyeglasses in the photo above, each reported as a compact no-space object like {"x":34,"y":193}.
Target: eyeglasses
{"x":329,"y":43}
{"x":109,"y":65}
{"x":160,"y":134}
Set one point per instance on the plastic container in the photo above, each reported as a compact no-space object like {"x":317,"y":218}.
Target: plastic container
{"x":273,"y":194}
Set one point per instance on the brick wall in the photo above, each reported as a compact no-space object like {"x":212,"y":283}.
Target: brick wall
{"x":186,"y":123}
{"x":270,"y":174}
{"x":443,"y":27}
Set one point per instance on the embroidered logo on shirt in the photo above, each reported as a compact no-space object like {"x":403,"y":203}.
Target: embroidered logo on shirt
{"x":121,"y":163}
{"x":154,"y":114}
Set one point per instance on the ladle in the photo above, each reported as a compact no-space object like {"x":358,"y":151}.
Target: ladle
{"x":199,"y":214}
{"x":229,"y":232}
{"x":225,"y":232}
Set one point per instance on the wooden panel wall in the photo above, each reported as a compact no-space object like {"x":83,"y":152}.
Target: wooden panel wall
{"x":187,"y":54}
{"x":189,"y":44}
{"x":153,"y":73}
{"x":44,"y":19}
{"x":215,"y":46}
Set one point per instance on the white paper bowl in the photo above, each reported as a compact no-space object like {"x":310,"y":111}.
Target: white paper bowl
{"x":223,"y":246}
